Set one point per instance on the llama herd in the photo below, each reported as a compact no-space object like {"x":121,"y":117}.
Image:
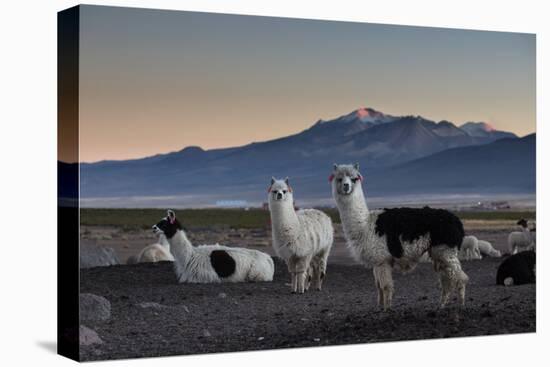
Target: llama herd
{"x":383,"y":240}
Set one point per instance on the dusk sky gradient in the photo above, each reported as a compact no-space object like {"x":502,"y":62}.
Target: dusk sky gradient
{"x":157,"y":81}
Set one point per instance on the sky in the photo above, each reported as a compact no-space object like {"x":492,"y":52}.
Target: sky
{"x":155,"y":81}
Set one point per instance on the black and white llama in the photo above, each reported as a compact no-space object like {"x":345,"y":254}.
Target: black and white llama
{"x":398,"y":237}
{"x":212,"y":263}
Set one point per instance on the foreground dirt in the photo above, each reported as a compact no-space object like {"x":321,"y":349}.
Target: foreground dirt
{"x":153,"y":315}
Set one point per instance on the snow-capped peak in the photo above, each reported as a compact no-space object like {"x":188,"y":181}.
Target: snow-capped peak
{"x":477,"y":128}
{"x":368,"y":115}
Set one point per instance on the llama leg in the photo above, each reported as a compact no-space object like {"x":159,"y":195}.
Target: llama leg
{"x":300,"y":268}
{"x":384,"y":276}
{"x":323,"y":268}
{"x":461,"y":286}
{"x":451,"y":275}
{"x":293,"y":280}
{"x":310,"y":277}
{"x":378,"y":288}
{"x":445,"y":283}
{"x":319,"y":266}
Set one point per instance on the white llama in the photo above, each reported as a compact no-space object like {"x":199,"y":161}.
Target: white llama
{"x":156,"y":252}
{"x":469,"y":249}
{"x":301,"y":238}
{"x":523,"y":240}
{"x":398,"y":237}
{"x":212,"y":263}
{"x":487,"y":249}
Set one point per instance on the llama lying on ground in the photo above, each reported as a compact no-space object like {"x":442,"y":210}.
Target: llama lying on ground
{"x":487,"y":249}
{"x":469,"y":249}
{"x":156,"y":252}
{"x":212,"y":263}
{"x":517,"y":269}
{"x":398,"y":237}
{"x":301,"y":238}
{"x":523,"y":240}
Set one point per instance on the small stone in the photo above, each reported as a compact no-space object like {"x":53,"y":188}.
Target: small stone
{"x":261,"y":338}
{"x":316,"y":339}
{"x":206,"y":333}
{"x":222,"y":295}
{"x":153,"y":305}
{"x":94,"y":308}
{"x":92,"y":256}
{"x":88,"y":336}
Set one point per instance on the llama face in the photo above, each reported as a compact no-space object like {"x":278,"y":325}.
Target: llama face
{"x":279,"y":190}
{"x":345,"y":178}
{"x":168,"y":225}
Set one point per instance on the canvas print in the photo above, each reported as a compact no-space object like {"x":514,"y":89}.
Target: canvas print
{"x":234,"y":183}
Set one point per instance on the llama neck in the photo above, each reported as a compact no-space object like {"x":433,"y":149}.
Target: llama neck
{"x":354,"y":212}
{"x":283,"y":214}
{"x":164,"y":242}
{"x":181,"y":247}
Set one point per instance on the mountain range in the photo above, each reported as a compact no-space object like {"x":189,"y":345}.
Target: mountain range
{"x":398,"y":154}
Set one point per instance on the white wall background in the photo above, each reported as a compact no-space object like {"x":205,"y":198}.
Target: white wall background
{"x":28,"y":171}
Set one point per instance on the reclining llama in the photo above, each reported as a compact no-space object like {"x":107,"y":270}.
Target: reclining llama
{"x":153,"y":253}
{"x":301,"y":238}
{"x":212,"y":263}
{"x":398,"y":237}
{"x":518,"y":269}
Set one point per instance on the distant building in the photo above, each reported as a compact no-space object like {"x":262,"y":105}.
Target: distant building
{"x":493,"y":205}
{"x":232,"y":203}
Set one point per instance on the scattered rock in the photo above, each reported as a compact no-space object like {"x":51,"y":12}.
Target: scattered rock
{"x":222,"y":295}
{"x":92,"y":256}
{"x":88,"y":336}
{"x":153,"y":305}
{"x":94,"y":308}
{"x":261,"y":338}
{"x":206,"y":333}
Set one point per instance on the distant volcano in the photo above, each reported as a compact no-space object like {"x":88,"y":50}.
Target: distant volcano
{"x":378,"y":141}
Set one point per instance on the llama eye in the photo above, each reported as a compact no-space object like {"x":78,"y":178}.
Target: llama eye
{"x":339,"y":180}
{"x":274,"y":191}
{"x":284,"y":191}
{"x":354,"y":180}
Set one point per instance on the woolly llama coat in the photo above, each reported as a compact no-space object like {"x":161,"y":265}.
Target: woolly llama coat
{"x":156,"y":252}
{"x":517,"y":269}
{"x":213,"y":263}
{"x":302,"y":238}
{"x":398,"y":237}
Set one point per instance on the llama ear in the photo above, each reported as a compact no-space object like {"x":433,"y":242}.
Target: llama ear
{"x":335,"y":166}
{"x":272,"y":180}
{"x":356,"y":166}
{"x":288,"y":184}
{"x":171,"y":216}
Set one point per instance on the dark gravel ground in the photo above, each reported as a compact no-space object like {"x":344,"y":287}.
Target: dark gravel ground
{"x":153,"y":315}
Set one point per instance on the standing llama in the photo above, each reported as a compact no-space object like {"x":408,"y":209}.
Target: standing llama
{"x":212,"y":263}
{"x":398,"y":237}
{"x":522,"y":241}
{"x":302,"y":238}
